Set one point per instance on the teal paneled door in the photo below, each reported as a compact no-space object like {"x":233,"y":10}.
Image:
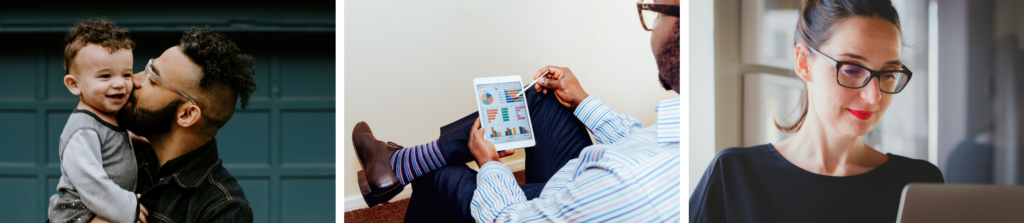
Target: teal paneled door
{"x":281,"y":148}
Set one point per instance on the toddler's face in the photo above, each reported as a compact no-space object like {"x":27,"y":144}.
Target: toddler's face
{"x":104,"y":78}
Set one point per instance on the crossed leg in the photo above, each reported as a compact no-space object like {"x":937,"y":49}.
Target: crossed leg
{"x":445,"y":194}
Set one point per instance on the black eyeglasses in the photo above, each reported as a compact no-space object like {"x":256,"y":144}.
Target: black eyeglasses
{"x":652,"y":11}
{"x":855,"y":76}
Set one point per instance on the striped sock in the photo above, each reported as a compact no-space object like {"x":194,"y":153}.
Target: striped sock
{"x":411,"y":162}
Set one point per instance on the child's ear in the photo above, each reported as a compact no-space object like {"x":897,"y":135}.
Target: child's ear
{"x":72,"y":83}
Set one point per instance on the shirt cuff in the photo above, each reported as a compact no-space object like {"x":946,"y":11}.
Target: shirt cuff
{"x":493,"y":168}
{"x":591,"y":111}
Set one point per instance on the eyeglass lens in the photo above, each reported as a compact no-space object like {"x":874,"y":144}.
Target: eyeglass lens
{"x":650,"y":18}
{"x":855,"y":77}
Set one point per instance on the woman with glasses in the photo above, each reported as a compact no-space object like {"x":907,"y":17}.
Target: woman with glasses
{"x":848,"y":55}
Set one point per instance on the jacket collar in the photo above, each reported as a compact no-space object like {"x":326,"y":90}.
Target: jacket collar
{"x":190,"y":169}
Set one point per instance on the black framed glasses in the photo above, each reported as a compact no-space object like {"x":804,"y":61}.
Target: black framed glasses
{"x":855,"y":76}
{"x":650,"y":13}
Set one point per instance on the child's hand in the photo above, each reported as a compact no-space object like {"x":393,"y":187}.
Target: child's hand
{"x":142,"y":210}
{"x":137,"y":139}
{"x":97,"y":219}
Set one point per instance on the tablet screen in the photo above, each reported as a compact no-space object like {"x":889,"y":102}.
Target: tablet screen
{"x":504,"y":116}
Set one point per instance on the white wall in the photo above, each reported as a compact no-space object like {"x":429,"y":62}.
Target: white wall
{"x":701,"y":75}
{"x":952,"y":72}
{"x":409,"y":65}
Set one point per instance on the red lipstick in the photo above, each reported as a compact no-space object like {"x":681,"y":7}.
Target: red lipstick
{"x":862,"y":115}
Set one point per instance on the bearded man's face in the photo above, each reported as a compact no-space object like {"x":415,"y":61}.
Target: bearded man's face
{"x":144,"y":122}
{"x":665,"y":44}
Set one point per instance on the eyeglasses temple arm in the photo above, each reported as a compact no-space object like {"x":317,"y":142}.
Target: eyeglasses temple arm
{"x":830,"y":60}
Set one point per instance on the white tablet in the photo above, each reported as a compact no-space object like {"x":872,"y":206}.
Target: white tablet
{"x":504,"y":117}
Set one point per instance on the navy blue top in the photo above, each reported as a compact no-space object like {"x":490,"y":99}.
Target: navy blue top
{"x":756,"y":184}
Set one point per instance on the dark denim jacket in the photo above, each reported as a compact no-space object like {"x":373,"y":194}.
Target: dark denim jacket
{"x":191,"y":188}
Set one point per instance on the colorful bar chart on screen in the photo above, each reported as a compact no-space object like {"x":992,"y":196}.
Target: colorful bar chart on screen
{"x":510,"y":96}
{"x":509,"y":132}
{"x":504,"y":114}
{"x":491,"y":114}
{"x":507,"y":116}
{"x":519,"y":112}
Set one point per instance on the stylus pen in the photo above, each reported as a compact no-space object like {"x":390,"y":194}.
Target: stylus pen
{"x":531,"y":84}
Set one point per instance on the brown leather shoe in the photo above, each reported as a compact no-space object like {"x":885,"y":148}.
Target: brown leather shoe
{"x":377,"y":181}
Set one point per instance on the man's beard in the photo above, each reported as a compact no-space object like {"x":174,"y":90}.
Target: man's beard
{"x":668,"y":61}
{"x":145,"y":122}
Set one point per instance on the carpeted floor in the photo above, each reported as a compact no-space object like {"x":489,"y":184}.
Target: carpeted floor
{"x":395,"y":211}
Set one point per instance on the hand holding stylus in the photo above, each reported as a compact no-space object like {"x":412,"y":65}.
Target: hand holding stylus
{"x":563,"y":83}
{"x":523,"y":91}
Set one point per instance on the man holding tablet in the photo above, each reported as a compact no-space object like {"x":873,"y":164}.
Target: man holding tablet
{"x":508,"y":116}
{"x":632,"y":175}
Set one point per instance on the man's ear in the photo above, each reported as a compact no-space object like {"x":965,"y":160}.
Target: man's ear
{"x":801,"y":63}
{"x":72,"y":83}
{"x":188,"y":115}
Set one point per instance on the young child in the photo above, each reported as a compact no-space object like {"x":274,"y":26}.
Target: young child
{"x":97,"y":163}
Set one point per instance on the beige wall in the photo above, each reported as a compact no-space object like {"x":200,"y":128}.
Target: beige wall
{"x":701,"y":98}
{"x":409,"y":65}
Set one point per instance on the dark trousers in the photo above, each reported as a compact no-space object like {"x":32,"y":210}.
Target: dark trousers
{"x":444,"y":195}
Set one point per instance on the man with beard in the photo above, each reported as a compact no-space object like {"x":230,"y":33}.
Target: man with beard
{"x":632,"y":175}
{"x":180,"y":101}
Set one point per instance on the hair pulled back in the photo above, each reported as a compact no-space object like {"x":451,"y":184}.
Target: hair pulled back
{"x":817,"y":22}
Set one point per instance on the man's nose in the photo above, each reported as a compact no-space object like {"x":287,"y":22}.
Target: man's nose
{"x":137,"y":79}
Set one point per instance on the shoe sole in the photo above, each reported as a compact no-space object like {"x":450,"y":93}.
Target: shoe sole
{"x":368,"y":196}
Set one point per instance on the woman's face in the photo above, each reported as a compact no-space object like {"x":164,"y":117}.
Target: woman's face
{"x":868,"y":41}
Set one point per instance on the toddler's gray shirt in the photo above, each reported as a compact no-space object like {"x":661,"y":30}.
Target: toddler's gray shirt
{"x":98,"y":165}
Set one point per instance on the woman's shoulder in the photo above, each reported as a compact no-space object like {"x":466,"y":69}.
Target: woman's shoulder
{"x":752,"y":153}
{"x":750,"y":149}
{"x":920,"y":170}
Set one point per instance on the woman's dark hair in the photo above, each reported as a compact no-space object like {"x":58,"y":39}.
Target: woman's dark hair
{"x":817,"y":23}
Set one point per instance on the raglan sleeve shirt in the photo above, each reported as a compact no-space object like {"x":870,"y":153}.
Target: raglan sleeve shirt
{"x":82,"y":162}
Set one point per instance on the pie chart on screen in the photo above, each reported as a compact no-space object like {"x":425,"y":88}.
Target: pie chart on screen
{"x":486,"y":98}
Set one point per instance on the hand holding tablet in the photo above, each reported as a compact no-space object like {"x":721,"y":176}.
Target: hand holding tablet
{"x":482,"y":149}
{"x":504,"y":116}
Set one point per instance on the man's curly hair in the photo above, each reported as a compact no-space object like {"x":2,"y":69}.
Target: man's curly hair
{"x":221,"y":61}
{"x":96,"y":30}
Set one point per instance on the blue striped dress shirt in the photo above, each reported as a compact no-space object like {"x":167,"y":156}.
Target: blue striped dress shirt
{"x":631,"y":175}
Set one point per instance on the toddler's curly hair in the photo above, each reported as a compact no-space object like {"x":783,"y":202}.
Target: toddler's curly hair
{"x":96,"y":30}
